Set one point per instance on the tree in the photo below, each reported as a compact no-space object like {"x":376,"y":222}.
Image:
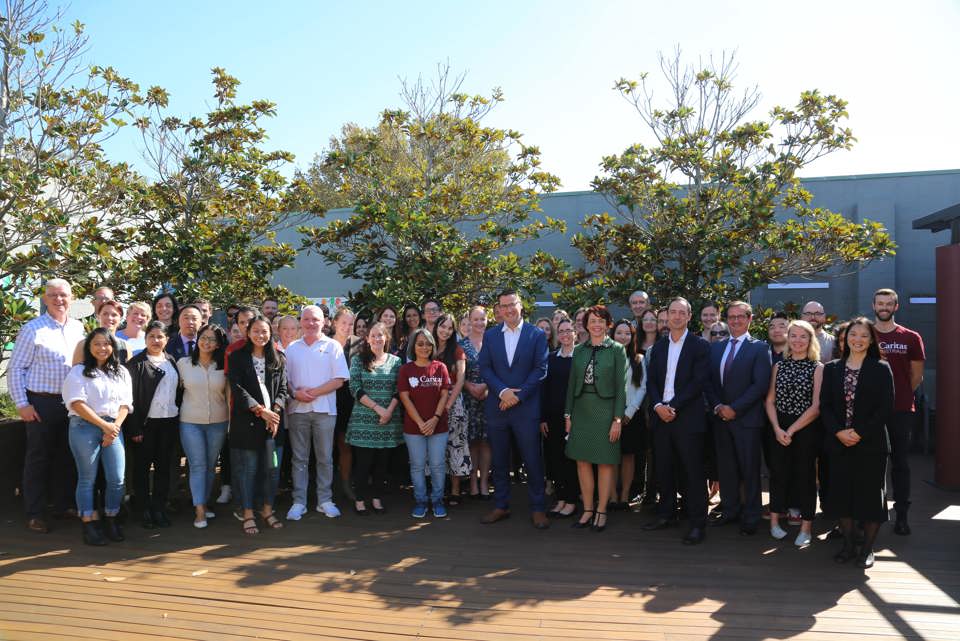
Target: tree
{"x":438,"y":200}
{"x":63,"y":205}
{"x":695,"y":213}
{"x":208,"y":223}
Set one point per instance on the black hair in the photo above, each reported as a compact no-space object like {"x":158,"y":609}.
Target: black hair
{"x":112,"y":365}
{"x":161,"y":296}
{"x":780,"y":314}
{"x":219,"y":353}
{"x":873,"y":351}
{"x":402,"y":321}
{"x":189,"y":306}
{"x":632,"y":349}
{"x":154,"y":324}
{"x":507,"y":292}
{"x":449,"y":354}
{"x":271,"y":357}
{"x":432,"y":300}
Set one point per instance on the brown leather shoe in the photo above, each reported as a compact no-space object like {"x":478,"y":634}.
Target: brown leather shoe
{"x":38,"y":525}
{"x":495,"y":515}
{"x":540,"y":520}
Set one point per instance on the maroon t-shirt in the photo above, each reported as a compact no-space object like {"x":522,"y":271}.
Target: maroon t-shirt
{"x":900,"y":347}
{"x":424,"y":385}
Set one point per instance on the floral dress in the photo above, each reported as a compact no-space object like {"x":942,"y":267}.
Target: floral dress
{"x":458,"y":444}
{"x":476,"y":420}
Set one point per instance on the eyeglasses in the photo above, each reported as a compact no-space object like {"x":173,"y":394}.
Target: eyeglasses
{"x":565,"y":331}
{"x":207,"y":339}
{"x":813,"y":314}
{"x":737,"y":317}
{"x":720,"y":333}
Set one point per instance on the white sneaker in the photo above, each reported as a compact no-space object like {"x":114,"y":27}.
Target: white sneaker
{"x":802,"y":539}
{"x":329,"y":509}
{"x":225,"y":495}
{"x":296,"y":512}
{"x":777,"y":532}
{"x":200,"y":524}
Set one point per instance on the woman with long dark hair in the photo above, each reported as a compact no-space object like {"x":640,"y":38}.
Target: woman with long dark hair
{"x":389,"y":316}
{"x":165,"y":310}
{"x":203,"y":414}
{"x":633,"y":434}
{"x":411,"y":320}
{"x":258,"y":381}
{"x":376,"y":426}
{"x":451,"y":354}
{"x":856,"y":401}
{"x":99,"y":395}
{"x":153,"y":426}
{"x":647,"y":333}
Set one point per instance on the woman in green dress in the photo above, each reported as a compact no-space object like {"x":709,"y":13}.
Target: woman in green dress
{"x":596,"y":399}
{"x":375,"y":427}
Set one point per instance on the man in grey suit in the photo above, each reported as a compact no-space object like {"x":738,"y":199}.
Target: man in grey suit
{"x":739,"y":380}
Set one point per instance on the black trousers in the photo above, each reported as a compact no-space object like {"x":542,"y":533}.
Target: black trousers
{"x":680,"y":440}
{"x":560,"y":469}
{"x":160,"y":435}
{"x":49,"y":472}
{"x":370,"y":463}
{"x":900,"y":429}
{"x":738,"y":461}
{"x":793,"y":469}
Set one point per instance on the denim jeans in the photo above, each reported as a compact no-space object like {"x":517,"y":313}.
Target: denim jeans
{"x":421,"y":449}
{"x":88,"y":452}
{"x":202,"y":444}
{"x":316,"y":429}
{"x":254,"y":481}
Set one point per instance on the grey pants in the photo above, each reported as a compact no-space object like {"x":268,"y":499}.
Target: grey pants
{"x":304,"y":430}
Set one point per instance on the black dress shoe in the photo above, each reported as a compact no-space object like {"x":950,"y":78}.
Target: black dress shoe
{"x":722,"y":519}
{"x":113,"y":530}
{"x":359,"y":512}
{"x":92,"y":534}
{"x":161,"y":519}
{"x":658,"y":524}
{"x":147,"y":520}
{"x":582,"y":525}
{"x":901,"y":527}
{"x":694,"y":536}
{"x":835,"y":534}
{"x":596,"y":527}
{"x":748,"y":529}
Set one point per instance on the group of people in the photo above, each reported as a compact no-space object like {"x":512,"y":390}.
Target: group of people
{"x":607,"y":412}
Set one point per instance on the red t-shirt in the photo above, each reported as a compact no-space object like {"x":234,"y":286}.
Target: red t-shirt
{"x":424,"y":385}
{"x":900,"y":347}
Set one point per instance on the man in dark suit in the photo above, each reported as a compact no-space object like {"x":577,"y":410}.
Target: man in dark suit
{"x":513,"y":363}
{"x":676,"y":377}
{"x":188,"y":322}
{"x":739,"y":380}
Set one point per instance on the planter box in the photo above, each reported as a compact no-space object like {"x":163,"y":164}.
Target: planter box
{"x":12,"y":448}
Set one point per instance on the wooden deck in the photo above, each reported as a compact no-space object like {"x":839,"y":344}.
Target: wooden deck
{"x":389,"y":577}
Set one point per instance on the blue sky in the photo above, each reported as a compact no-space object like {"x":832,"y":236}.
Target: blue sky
{"x":326,"y":64}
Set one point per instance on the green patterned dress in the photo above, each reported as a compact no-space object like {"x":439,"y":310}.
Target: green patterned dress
{"x":364,"y":429}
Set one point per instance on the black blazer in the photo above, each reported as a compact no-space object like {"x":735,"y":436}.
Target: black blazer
{"x":689,"y":381}
{"x":247,"y":430}
{"x":146,"y":377}
{"x":175,"y":346}
{"x":872,"y":405}
{"x":746,"y":387}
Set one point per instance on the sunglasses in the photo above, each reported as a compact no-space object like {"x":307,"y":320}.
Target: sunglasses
{"x":720,"y":333}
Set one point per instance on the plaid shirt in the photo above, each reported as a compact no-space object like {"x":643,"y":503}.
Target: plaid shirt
{"x":42,"y":357}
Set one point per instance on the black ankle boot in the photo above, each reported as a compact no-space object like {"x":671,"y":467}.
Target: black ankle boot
{"x":112,"y":529}
{"x":92,"y":534}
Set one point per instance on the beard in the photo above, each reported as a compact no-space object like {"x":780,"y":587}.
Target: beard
{"x":884,"y":315}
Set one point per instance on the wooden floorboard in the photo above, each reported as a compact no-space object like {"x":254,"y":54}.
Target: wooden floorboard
{"x":389,"y":577}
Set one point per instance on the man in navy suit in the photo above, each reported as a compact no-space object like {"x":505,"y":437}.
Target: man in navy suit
{"x":513,"y":363}
{"x":676,"y":378}
{"x":739,"y":380}
{"x":188,"y":322}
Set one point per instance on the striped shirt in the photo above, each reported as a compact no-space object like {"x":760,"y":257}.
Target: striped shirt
{"x":42,"y":357}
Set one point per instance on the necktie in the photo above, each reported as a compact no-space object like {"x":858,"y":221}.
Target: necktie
{"x":728,"y":365}
{"x":189,"y":347}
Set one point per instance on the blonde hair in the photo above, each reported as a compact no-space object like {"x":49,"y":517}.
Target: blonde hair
{"x":813,"y":347}
{"x":143,"y":307}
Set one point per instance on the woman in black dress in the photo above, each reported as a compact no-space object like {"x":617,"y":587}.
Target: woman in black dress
{"x":856,"y":402}
{"x":634,"y":430}
{"x":553,"y":394}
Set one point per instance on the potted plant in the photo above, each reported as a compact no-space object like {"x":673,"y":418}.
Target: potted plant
{"x":12,"y":448}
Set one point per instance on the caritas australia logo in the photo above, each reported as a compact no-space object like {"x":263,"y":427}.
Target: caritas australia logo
{"x":425,"y":381}
{"x":893,"y":348}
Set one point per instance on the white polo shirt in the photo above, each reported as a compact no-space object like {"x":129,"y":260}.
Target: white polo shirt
{"x":312,"y":366}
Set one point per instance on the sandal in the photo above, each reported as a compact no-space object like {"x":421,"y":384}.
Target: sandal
{"x":272,"y":521}
{"x":250,"y":529}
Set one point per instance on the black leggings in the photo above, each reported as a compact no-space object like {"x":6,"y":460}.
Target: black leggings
{"x":560,"y":469}
{"x":370,"y":462}
{"x":159,"y":437}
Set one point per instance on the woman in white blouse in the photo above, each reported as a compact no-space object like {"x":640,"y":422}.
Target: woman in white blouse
{"x":99,"y":396}
{"x":203,"y":414}
{"x":152,"y":429}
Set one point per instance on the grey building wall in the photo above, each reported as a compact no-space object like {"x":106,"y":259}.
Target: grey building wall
{"x":894,"y":200}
